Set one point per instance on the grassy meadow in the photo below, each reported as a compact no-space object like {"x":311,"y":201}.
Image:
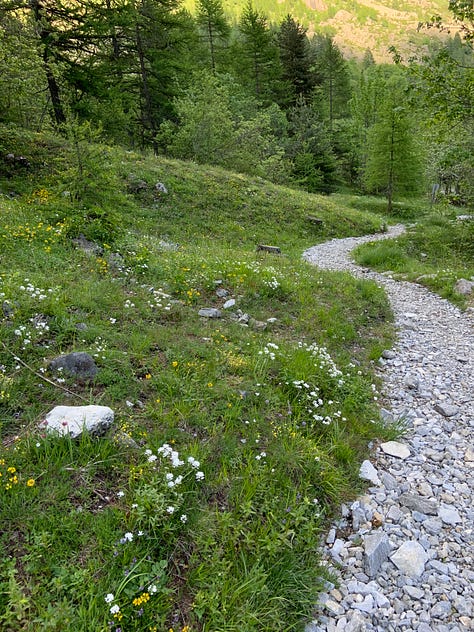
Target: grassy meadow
{"x":235,"y":439}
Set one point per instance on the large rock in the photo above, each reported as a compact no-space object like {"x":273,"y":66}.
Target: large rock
{"x":77,"y":364}
{"x":418,"y":503}
{"x":210,"y":312}
{"x":397,"y":449}
{"x":74,"y":420}
{"x":410,"y":559}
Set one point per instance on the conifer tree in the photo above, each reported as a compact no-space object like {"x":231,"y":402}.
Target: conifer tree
{"x":214,"y":26}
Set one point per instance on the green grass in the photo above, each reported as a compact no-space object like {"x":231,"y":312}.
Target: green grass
{"x":436,"y":252}
{"x":277,"y":417}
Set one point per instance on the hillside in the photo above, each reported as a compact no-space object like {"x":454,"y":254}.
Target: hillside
{"x":234,"y":437}
{"x":357,"y":24}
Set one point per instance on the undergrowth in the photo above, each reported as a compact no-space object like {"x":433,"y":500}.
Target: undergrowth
{"x":234,"y":439}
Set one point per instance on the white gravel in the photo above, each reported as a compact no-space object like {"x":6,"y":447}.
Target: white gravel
{"x":417,"y":575}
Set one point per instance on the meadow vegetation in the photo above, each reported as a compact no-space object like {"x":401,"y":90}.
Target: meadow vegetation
{"x":202,"y":509}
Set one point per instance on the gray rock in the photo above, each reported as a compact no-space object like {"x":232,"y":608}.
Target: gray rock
{"x":389,"y":481}
{"x":441,"y":609}
{"x":230,"y":303}
{"x":465,"y":287}
{"x":160,"y":188}
{"x":388,"y":354}
{"x":222,"y":292}
{"x":433,"y":526}
{"x":210,"y":312}
{"x":410,"y":559}
{"x":414,"y":592}
{"x":74,"y":420}
{"x":418,"y":503}
{"x":365,"y":606}
{"x":356,"y":623}
{"x":397,"y":449}
{"x":376,"y":549}
{"x":368,"y":473}
{"x":449,"y":515}
{"x":89,"y":247}
{"x":78,"y":364}
{"x":446,"y":409}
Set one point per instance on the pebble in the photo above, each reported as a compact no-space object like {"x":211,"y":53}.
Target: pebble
{"x":420,"y":558}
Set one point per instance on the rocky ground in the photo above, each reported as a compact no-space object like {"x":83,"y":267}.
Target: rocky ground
{"x":404,"y":552}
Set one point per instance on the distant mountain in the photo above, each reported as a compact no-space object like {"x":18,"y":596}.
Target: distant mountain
{"x":355,"y":24}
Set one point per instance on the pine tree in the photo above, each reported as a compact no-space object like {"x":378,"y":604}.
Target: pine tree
{"x":332,"y":77}
{"x":257,"y":50}
{"x":393,"y":164}
{"x":214,"y":26}
{"x":295,"y":58}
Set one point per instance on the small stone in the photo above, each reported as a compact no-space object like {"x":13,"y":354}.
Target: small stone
{"x":446,"y":409}
{"x":376,"y":549}
{"x":449,"y":515}
{"x":469,"y":455}
{"x":366,"y":606}
{"x":334,"y":607}
{"x":356,"y":623}
{"x":210,"y":312}
{"x":230,"y":303}
{"x":368,"y":473}
{"x":410,"y":558}
{"x":389,"y":481}
{"x":433,"y":526}
{"x":331,"y":537}
{"x":466,"y":622}
{"x":388,"y":354}
{"x":441,"y":609}
{"x":397,"y":449}
{"x":414,"y":592}
{"x":222,"y":292}
{"x":394,"y":514}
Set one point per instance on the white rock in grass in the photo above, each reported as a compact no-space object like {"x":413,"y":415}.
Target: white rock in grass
{"x":74,"y":420}
{"x":395,"y":448}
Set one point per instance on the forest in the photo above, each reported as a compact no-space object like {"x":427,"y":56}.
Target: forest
{"x":251,"y":96}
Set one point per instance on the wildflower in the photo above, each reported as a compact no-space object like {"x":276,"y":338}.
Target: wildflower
{"x":148,"y":376}
{"x":152,"y":589}
{"x":199,"y":476}
{"x":109,"y":598}
{"x":183,"y":518}
{"x":128,"y":537}
{"x":170,"y":509}
{"x":174,"y":363}
{"x":115,"y":609}
{"x":30,"y":482}
{"x":120,"y":494}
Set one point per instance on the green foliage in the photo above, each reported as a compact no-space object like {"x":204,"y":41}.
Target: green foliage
{"x":202,"y":506}
{"x":436,"y":252}
{"x":217,"y":136}
{"x":393,"y":164}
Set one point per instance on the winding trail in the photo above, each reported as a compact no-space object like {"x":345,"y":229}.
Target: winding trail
{"x":404,"y":552}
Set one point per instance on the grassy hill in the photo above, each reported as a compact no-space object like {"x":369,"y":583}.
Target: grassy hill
{"x":357,"y":24}
{"x":258,"y":418}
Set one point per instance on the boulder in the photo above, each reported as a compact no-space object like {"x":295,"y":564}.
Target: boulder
{"x":78,"y":364}
{"x":74,"y":420}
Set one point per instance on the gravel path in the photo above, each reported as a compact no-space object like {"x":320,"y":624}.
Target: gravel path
{"x":404,"y":552}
